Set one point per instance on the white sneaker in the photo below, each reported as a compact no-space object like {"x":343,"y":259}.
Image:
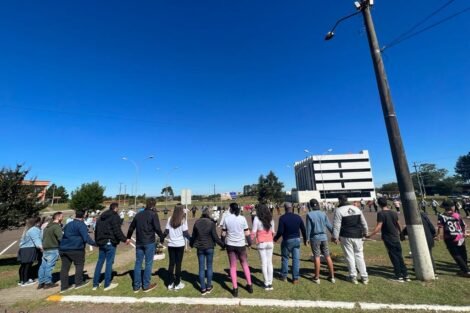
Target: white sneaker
{"x":94,"y":288}
{"x":171,"y":287}
{"x":354,"y":280}
{"x":111,"y":286}
{"x":180,"y":286}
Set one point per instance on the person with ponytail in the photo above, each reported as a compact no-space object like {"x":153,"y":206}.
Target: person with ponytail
{"x":263,"y":231}
{"x":237,"y":236}
{"x":30,"y":246}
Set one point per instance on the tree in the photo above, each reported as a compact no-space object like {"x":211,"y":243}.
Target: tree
{"x":167,"y":191}
{"x":88,"y":197}
{"x":389,"y":187}
{"x":430,"y":175}
{"x":18,"y":201}
{"x":55,"y":191}
{"x":448,"y":186}
{"x":462,"y":167}
{"x":269,"y":189}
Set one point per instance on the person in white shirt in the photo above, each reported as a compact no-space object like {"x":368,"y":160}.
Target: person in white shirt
{"x":177,"y":231}
{"x":237,"y":236}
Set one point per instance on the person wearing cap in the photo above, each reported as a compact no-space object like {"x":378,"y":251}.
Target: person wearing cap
{"x":317,"y":223}
{"x":204,"y":238}
{"x":454,"y":228}
{"x":349,"y":227}
{"x":290,"y":227}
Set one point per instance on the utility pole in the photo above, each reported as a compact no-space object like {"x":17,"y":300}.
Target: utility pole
{"x":119,"y":196}
{"x":419,"y":248}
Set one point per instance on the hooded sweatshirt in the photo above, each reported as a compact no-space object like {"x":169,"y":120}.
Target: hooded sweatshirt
{"x":108,"y":229}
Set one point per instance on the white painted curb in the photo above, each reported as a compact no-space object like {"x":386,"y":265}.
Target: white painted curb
{"x":258,"y":302}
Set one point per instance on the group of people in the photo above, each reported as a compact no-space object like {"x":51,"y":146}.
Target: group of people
{"x":349,"y":228}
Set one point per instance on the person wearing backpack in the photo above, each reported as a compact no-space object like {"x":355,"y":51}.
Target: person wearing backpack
{"x":387,"y":222}
{"x":454,"y":228}
{"x":108,"y":234}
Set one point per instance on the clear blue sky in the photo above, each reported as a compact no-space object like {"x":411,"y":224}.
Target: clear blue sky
{"x":225,"y":90}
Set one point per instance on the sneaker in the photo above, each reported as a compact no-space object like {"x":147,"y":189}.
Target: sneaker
{"x":284,"y":279}
{"x":111,"y":286}
{"x":209,"y":290}
{"x":28,"y":283}
{"x":295,"y":282}
{"x":266,"y":287}
{"x":365,"y":281}
{"x":332,"y":280}
{"x":136,"y":290}
{"x":407,"y":279}
{"x":51,"y":285}
{"x":20,"y":283}
{"x":94,"y":288}
{"x":398,"y":279}
{"x":179,"y":286}
{"x":316,"y":280}
{"x":41,"y":286}
{"x":150,"y":287}
{"x":84,"y":284}
{"x":354,"y":280}
{"x":235,"y":292}
{"x":171,"y":286}
{"x":64,"y":290}
{"x":203,"y":292}
{"x":270,"y":287}
{"x":249,"y":288}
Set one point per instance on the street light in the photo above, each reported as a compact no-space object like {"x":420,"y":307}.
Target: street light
{"x":137,"y":175}
{"x":422,"y":258}
{"x":331,"y":33}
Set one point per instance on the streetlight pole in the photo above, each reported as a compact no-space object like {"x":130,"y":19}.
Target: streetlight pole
{"x":421,"y":256}
{"x":137,"y":176}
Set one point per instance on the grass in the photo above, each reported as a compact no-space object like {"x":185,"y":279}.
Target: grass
{"x":380,"y":289}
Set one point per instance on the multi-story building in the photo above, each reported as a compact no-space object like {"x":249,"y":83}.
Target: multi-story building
{"x":334,"y":175}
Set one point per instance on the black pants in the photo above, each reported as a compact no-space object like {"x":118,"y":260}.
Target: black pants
{"x":69,"y":257}
{"x":459,"y":253}
{"x":395,"y":254}
{"x":25,"y":272}
{"x":467,"y":210}
{"x":176,"y":259}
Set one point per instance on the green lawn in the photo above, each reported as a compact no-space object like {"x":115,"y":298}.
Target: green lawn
{"x":380,"y":288}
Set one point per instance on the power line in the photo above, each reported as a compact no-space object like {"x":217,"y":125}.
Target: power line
{"x":410,"y":34}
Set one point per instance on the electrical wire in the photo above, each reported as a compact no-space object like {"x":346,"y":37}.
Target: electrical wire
{"x":427,"y":28}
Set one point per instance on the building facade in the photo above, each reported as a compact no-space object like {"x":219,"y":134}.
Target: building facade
{"x":335,"y":175}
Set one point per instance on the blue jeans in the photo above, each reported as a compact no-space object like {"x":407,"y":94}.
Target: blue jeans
{"x":49,"y":259}
{"x":143,"y":251}
{"x":205,"y":258}
{"x":107,"y":253}
{"x":290,"y":246}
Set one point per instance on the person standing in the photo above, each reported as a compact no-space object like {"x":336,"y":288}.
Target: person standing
{"x":204,"y":238}
{"x":263,"y":231}
{"x":177,"y":231}
{"x":466,"y":207}
{"x":317,"y":223}
{"x":397,"y":205}
{"x":290,"y":227}
{"x":146,"y":224}
{"x":424,"y":204}
{"x":51,"y":237}
{"x":349,"y":227}
{"x":363,"y":204}
{"x":72,"y":250}
{"x":108,"y":234}
{"x":237,"y":236}
{"x":434,"y":205}
{"x":30,"y":245}
{"x":387,"y":222}
{"x":454,"y":228}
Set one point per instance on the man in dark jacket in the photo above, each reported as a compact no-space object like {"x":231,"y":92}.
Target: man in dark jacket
{"x":72,"y":250}
{"x":147,"y":225}
{"x":108,"y":234}
{"x":290,"y":227}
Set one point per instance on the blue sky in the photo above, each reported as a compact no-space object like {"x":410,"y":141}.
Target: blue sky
{"x":225,"y":90}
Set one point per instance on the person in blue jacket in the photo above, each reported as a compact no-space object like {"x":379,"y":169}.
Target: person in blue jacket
{"x":72,"y":250}
{"x":30,"y":245}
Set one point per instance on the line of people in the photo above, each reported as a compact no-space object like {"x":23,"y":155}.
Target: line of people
{"x":349,"y":228}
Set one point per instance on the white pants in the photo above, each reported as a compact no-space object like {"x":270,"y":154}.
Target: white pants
{"x":265,"y":250}
{"x":353,"y":251}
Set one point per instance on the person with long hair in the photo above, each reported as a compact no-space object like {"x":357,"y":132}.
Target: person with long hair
{"x":30,"y":245}
{"x":177,"y":231}
{"x":263,"y":231}
{"x":204,"y":238}
{"x":237,"y":236}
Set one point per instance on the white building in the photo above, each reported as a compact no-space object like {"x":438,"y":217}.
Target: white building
{"x":335,"y":175}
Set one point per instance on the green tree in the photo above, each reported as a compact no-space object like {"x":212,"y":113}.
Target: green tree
{"x":55,"y":191}
{"x":167,"y":191}
{"x":462,"y":167}
{"x":88,"y":196}
{"x":430,"y":174}
{"x":389,"y":187}
{"x":269,"y":189}
{"x":17,"y":200}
